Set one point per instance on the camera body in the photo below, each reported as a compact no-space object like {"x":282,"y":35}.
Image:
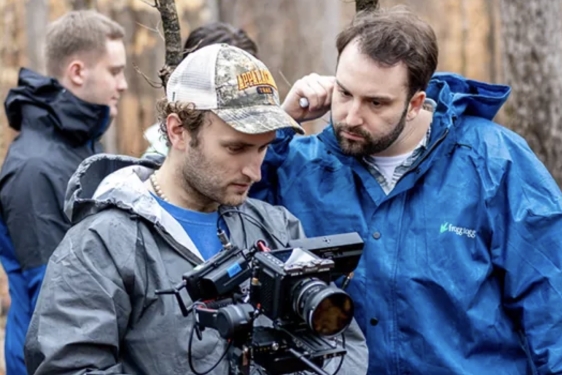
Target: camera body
{"x":220,"y":276}
{"x":291,"y":287}
{"x":299,"y":293}
{"x":279,"y":282}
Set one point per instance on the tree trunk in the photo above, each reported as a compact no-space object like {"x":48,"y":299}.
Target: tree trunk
{"x":533,"y":56}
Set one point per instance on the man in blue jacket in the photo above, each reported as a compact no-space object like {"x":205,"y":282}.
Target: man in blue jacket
{"x":60,"y":119}
{"x":461,"y":272}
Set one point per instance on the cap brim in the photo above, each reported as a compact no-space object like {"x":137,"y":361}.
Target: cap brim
{"x":258,"y":119}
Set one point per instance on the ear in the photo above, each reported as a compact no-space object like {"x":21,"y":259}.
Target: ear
{"x":415,"y":105}
{"x":76,"y":72}
{"x":179,"y":137}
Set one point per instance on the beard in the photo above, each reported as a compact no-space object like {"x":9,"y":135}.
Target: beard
{"x":369,"y":145}
{"x":203,"y":180}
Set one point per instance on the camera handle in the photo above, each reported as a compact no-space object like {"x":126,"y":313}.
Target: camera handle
{"x":175,"y":290}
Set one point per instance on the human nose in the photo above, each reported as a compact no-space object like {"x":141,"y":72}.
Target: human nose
{"x":253,"y":169}
{"x":354,"y":116}
{"x":122,"y":84}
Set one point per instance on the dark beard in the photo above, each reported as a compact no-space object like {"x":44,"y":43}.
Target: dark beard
{"x":369,"y":145}
{"x":203,"y":181}
{"x":194,"y":179}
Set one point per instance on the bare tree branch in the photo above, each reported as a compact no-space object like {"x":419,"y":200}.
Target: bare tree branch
{"x":155,"y":84}
{"x":366,"y":5}
{"x":172,"y":37}
{"x":153,"y":29}
{"x":289,"y":84}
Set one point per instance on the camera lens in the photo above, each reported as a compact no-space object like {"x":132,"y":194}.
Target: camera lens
{"x":327,"y":311}
{"x":234,"y":319}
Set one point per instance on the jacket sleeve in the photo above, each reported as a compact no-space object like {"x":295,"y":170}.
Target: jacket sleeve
{"x":82,"y":311}
{"x":356,"y":360}
{"x":32,"y":204}
{"x":277,"y":152}
{"x":526,"y":248}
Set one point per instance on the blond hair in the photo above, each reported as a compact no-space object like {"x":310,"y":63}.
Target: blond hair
{"x":84,"y":33}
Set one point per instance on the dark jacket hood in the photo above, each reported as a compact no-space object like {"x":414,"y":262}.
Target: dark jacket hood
{"x":78,"y":120}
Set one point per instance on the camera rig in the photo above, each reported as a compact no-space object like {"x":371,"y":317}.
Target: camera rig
{"x":276,"y":308}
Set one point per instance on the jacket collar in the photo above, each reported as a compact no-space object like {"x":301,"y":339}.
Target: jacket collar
{"x":40,"y":96}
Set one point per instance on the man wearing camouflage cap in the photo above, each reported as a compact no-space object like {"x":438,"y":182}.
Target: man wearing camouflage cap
{"x":138,"y":229}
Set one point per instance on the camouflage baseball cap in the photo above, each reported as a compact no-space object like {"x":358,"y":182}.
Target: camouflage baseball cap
{"x":234,"y":85}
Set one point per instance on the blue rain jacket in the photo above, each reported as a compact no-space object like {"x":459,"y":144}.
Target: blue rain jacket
{"x":461,"y":270}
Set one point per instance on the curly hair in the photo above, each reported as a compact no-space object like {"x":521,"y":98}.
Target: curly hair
{"x":191,"y":118}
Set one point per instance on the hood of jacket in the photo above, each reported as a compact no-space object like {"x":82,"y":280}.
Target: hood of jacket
{"x":456,"y":96}
{"x":76,"y":119}
{"x":106,"y":181}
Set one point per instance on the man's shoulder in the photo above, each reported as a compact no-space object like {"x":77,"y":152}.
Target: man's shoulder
{"x":111,"y":220}
{"x":312,"y":143}
{"x":486,"y":136}
{"x":112,"y":227}
{"x":274,"y":216}
{"x":33,"y":170}
{"x":320,"y":148}
{"x":264,"y":209}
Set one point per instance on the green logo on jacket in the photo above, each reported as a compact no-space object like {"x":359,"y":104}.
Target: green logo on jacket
{"x":459,"y":231}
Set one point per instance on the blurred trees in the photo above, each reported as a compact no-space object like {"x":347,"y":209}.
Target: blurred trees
{"x":533,"y":59}
{"x":295,"y":37}
{"x":517,"y":44}
{"x":22,"y":29}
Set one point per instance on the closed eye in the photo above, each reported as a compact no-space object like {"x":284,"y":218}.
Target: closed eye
{"x":235,"y":149}
{"x":344,"y":92}
{"x":116,"y":70}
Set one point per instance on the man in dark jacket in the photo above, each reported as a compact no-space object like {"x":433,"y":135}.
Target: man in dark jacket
{"x":60,"y":119}
{"x":139,"y":228}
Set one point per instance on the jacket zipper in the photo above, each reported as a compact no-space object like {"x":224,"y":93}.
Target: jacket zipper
{"x":178,"y":247}
{"x":425,"y":155}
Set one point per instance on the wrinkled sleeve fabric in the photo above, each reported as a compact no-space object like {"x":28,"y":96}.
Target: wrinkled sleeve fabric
{"x":293,"y":225}
{"x":32,"y":204}
{"x":526,"y":247}
{"x":82,"y":311}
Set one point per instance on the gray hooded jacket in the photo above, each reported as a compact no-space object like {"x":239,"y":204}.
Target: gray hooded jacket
{"x":97,"y":312}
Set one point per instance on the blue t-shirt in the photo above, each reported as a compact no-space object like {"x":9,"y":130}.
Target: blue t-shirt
{"x":200,"y":226}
